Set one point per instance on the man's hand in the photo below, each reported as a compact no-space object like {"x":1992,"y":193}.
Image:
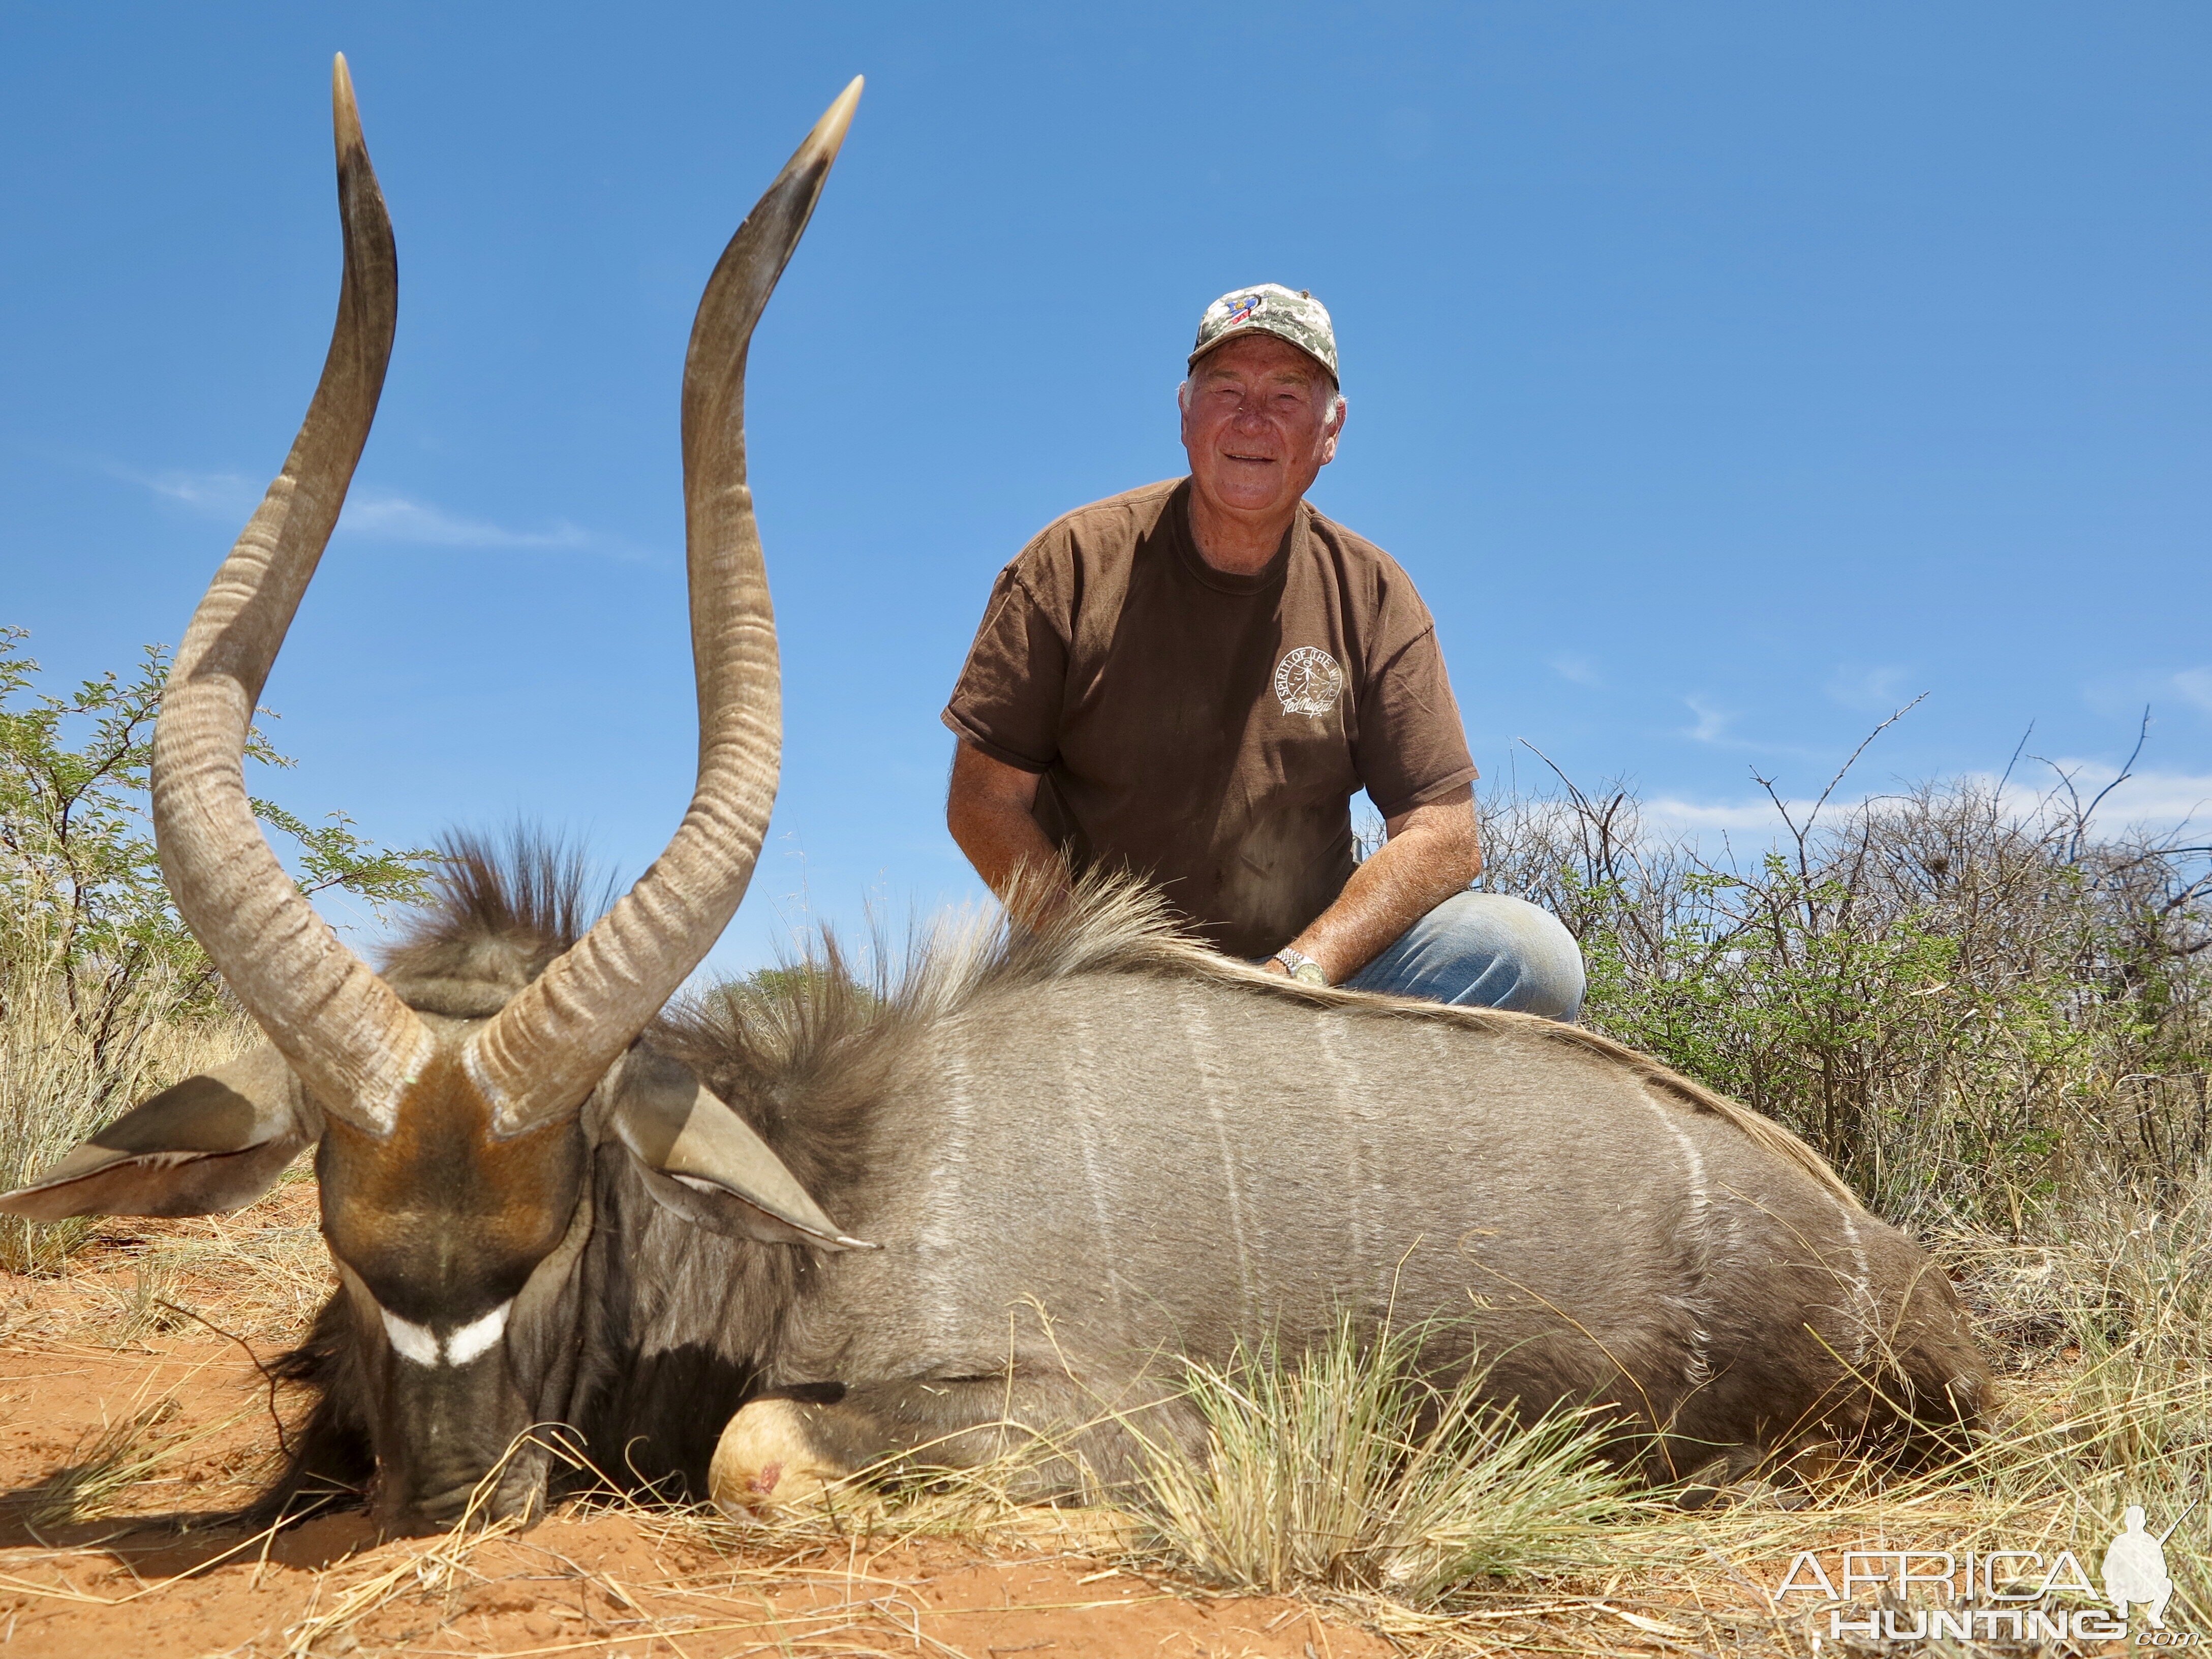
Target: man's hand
{"x":1431,"y":853}
{"x":986,"y":808}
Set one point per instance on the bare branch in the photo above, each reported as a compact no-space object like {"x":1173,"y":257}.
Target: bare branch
{"x":1864,"y":743}
{"x":2127,"y":768}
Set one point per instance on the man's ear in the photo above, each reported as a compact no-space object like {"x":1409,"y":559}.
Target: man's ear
{"x":705,"y":1162}
{"x":214,"y":1142}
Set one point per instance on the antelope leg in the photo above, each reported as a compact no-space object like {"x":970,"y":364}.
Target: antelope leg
{"x":1050,"y":1436}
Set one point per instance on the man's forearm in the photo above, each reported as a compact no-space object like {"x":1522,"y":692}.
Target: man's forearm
{"x":991,"y":823}
{"x":1407,"y":876}
{"x":1007,"y":849}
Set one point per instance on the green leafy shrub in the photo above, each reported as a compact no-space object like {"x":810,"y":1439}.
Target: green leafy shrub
{"x":1965,"y":1003}
{"x":105,"y":996}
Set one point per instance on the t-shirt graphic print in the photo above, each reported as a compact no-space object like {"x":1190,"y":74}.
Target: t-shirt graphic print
{"x":1308,"y":681}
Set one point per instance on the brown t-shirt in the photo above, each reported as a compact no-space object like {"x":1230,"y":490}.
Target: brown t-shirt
{"x":1205,"y":729}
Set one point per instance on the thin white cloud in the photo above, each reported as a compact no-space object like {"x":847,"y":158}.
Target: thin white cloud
{"x":1578,"y":669}
{"x":1875,"y":690}
{"x":1716,"y":727}
{"x":1671,"y":812}
{"x":225,"y":494}
{"x":1712,"y":723}
{"x":2153,"y":799}
{"x":382,"y":515}
{"x":370,"y":514}
{"x":2123,"y":696}
{"x":2196,"y":684}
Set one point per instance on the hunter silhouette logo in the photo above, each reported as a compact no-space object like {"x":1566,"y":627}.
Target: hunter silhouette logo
{"x":2134,"y":1568}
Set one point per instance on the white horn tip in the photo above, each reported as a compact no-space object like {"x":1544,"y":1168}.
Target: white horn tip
{"x":828,"y":134}
{"x":345,"y":114}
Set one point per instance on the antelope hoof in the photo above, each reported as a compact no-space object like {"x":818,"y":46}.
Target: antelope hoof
{"x":765,"y":1460}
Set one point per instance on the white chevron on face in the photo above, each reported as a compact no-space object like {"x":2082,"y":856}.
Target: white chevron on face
{"x":477,"y":1336}
{"x":420,"y":1345}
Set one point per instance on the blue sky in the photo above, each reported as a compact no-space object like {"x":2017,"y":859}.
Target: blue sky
{"x":1725,"y":375}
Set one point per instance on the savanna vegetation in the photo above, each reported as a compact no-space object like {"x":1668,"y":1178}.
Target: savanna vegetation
{"x":104,"y":995}
{"x":1972,"y":999}
{"x":1989,"y":1007}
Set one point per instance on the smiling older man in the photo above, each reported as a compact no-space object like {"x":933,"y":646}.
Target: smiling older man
{"x":1192,"y":679}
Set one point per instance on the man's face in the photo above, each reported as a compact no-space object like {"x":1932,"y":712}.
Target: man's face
{"x":1254,"y":425}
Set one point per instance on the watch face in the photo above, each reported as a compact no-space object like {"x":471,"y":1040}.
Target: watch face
{"x":1310,"y":973}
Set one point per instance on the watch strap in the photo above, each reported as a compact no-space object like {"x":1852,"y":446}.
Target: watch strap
{"x":1302,"y":968}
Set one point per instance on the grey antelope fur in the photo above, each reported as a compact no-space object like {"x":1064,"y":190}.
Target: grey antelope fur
{"x":1058,"y":1160}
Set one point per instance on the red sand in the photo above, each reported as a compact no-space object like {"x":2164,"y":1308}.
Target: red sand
{"x":582,"y":1582}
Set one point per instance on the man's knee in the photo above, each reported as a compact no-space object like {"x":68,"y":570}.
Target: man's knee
{"x":1546,"y":964}
{"x":1484,"y":950}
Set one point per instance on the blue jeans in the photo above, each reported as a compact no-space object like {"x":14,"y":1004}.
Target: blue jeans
{"x":1483,"y":950}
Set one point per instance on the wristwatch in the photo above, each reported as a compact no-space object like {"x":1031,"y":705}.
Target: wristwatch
{"x":1303,"y":969}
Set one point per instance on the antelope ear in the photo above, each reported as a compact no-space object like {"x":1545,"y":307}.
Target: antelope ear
{"x":702,"y":1161}
{"x":215,"y":1141}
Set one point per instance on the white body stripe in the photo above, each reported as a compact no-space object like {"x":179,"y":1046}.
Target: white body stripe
{"x":1082,"y":1062}
{"x":1330,"y":1032}
{"x":945,"y":1229}
{"x":1690,"y":1298}
{"x":1200,"y":1030}
{"x":1863,"y":1312}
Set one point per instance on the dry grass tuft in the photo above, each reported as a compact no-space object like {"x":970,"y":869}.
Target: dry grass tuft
{"x":266,"y":1266}
{"x":1346,"y":1468}
{"x":146,"y":1306}
{"x":105,"y":1464}
{"x":60,"y":1081}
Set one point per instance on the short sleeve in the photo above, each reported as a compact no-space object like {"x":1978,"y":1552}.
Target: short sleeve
{"x":1411,"y":747}
{"x":1007,"y":701}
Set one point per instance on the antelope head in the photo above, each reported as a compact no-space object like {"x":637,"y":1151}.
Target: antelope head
{"x":453,"y":1150}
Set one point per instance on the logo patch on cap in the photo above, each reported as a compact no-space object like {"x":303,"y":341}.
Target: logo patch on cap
{"x":1289,"y":314}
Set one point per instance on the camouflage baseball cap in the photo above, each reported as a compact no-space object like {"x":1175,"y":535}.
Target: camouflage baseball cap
{"x":1271,"y":308}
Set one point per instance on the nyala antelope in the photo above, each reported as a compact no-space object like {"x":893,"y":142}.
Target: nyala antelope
{"x":752,"y":1243}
